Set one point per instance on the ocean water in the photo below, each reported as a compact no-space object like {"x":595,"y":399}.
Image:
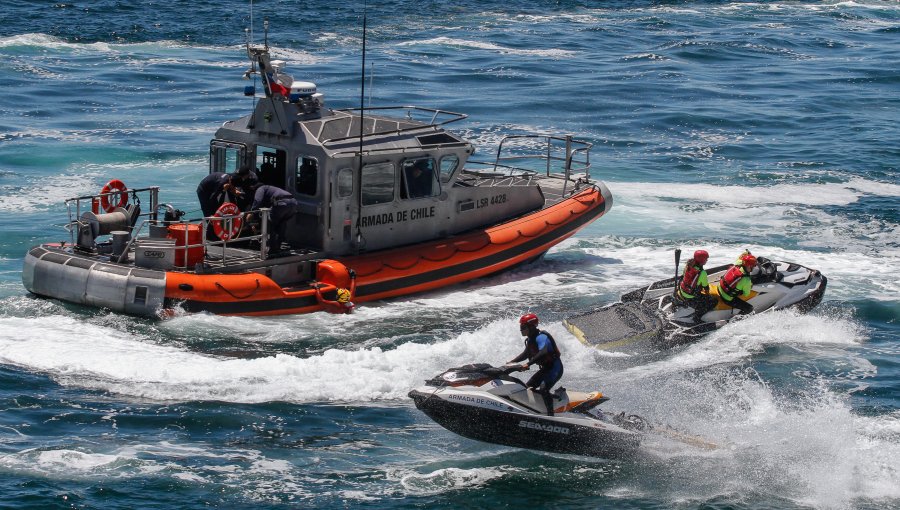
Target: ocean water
{"x":719,"y":125}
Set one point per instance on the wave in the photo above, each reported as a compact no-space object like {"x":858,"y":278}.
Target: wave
{"x":811,"y":194}
{"x":454,"y":42}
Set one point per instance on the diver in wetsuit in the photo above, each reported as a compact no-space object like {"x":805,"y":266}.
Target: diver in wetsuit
{"x":540,"y":349}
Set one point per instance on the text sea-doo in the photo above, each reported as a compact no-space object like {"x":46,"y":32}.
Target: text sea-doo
{"x":384,"y":191}
{"x":485,"y":403}
{"x":651,"y":318}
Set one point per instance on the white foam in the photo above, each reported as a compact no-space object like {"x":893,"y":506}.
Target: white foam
{"x":809,"y":194}
{"x":50,"y":42}
{"x":740,"y":340}
{"x":480,"y":45}
{"x":449,"y":479}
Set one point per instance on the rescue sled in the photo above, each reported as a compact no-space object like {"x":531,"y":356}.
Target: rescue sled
{"x":651,"y":318}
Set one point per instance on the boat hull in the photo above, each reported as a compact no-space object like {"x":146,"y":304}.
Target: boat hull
{"x":525,"y":431}
{"x":382,"y":274}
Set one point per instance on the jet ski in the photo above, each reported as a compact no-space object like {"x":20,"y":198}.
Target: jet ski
{"x":652,"y":318}
{"x":486,"y":403}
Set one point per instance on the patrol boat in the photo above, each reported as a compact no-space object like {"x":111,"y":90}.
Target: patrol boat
{"x":390,"y":203}
{"x":486,"y":403}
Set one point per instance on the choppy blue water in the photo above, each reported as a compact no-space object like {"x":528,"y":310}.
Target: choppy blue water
{"x":722,"y":125}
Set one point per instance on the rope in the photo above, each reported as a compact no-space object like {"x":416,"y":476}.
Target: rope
{"x":219,"y":285}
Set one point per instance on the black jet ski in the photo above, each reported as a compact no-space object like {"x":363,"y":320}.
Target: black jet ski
{"x":486,"y":403}
{"x":651,"y":318}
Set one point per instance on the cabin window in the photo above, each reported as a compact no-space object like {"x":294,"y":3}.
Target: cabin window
{"x":377,"y":184}
{"x":307,"y":177}
{"x":345,"y":182}
{"x":419,"y":179}
{"x":226,"y":157}
{"x":448,"y":166}
{"x":270,"y":166}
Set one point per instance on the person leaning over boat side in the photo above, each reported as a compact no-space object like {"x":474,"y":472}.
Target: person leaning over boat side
{"x":242,"y":184}
{"x":218,"y":187}
{"x":283,"y":207}
{"x":736,"y":283}
{"x":342,"y":304}
{"x":693,"y":290}
{"x":540,"y":349}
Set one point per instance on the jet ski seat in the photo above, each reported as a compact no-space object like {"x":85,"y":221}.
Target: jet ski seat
{"x":534,"y":400}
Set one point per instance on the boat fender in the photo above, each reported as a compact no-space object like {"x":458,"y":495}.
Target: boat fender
{"x":230,"y":225}
{"x":116,"y":190}
{"x":332,"y":272}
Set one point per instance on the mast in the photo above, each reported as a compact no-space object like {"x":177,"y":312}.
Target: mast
{"x":362,"y":121}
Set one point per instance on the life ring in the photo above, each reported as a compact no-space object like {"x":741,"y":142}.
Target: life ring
{"x":228,"y":227}
{"x":113,"y":188}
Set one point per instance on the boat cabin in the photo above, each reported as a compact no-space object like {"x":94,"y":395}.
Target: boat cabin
{"x":409,"y":188}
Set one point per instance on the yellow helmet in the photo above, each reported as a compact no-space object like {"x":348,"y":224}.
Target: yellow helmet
{"x":343,"y":295}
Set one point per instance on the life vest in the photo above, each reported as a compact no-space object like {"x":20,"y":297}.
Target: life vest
{"x":550,"y":357}
{"x":728,"y":283}
{"x":690,"y":280}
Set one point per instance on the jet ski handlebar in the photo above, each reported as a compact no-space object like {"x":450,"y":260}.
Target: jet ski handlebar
{"x":512,"y":367}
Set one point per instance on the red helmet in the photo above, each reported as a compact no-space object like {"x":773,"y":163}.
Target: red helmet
{"x":701,"y":256}
{"x":528,"y":318}
{"x":748,"y":261}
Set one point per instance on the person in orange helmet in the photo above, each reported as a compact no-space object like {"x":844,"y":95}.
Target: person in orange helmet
{"x":736,"y":283}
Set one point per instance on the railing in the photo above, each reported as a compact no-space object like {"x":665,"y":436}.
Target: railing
{"x":555,"y":156}
{"x":228,"y":257}
{"x":139,"y":229}
{"x":424,"y":118}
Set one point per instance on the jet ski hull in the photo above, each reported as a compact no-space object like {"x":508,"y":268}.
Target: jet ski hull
{"x":509,"y":428}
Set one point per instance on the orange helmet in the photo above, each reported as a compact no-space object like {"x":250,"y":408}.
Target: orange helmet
{"x":748,"y":261}
{"x":701,"y":256}
{"x":528,"y":318}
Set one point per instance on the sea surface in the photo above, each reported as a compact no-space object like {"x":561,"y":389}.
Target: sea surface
{"x":771,"y":126}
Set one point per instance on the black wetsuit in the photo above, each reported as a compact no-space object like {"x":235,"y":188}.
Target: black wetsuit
{"x":545,"y":354}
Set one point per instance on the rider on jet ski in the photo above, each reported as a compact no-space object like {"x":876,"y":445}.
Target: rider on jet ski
{"x":736,"y":283}
{"x":540,"y":349}
{"x":693,"y":290}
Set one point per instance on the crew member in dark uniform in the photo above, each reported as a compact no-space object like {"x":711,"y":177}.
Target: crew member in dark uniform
{"x":419,"y":179}
{"x":218,"y":187}
{"x":284,"y":207}
{"x":540,"y":349}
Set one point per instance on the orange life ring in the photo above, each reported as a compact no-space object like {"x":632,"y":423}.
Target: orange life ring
{"x":229,"y":212}
{"x":113,"y":188}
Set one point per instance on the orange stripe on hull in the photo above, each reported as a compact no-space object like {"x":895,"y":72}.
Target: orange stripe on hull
{"x":399,"y":271}
{"x":433,"y":257}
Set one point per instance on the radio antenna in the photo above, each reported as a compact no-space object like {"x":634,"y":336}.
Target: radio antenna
{"x":362,"y":122}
